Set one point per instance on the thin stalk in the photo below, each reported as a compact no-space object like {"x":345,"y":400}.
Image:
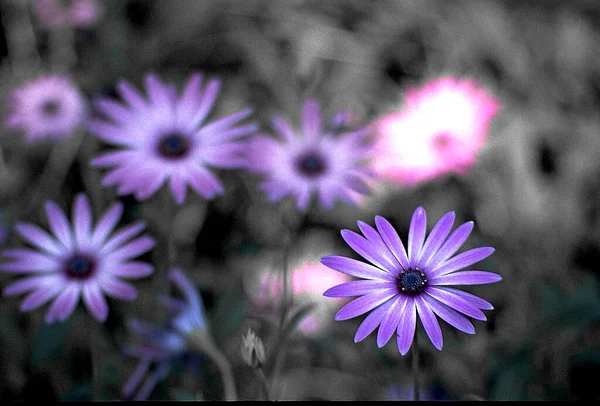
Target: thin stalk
{"x":415,"y":366}
{"x":201,"y":341}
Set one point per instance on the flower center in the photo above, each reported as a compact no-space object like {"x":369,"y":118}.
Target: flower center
{"x":412,"y":281}
{"x":50,"y":108}
{"x":174,"y":145}
{"x":80,"y":266}
{"x":311,"y":164}
{"x":442,"y":140}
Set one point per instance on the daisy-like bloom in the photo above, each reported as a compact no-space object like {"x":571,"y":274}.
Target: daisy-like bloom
{"x":166,"y":344}
{"x":73,"y":13}
{"x":441,"y":129}
{"x":328,"y":162}
{"x":49,"y":107}
{"x":77,"y":260}
{"x":400,"y":283}
{"x":166,"y":137}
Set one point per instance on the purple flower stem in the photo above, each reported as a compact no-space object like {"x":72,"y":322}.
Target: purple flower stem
{"x":415,"y":366}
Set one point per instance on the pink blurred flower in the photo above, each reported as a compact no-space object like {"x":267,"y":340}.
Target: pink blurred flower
{"x":74,"y":13}
{"x":49,"y":107}
{"x":308,"y":282}
{"x":440,"y":130}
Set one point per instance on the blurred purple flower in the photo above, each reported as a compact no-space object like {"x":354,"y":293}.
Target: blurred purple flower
{"x":49,"y":107}
{"x":163,"y":138}
{"x":77,"y":260}
{"x":330,"y":164}
{"x":165,"y":344}
{"x":403,"y":283}
{"x":441,"y":129}
{"x":74,"y":13}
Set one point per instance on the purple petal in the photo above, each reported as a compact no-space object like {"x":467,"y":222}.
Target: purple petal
{"x":39,"y":238}
{"x":449,"y":315}
{"x":355,"y":268}
{"x":118,"y":289}
{"x":311,"y":121}
{"x":406,"y":326}
{"x":456,"y":302}
{"x":189,"y":94}
{"x":227,"y":135}
{"x":460,"y":261}
{"x":436,"y":238}
{"x":303,"y":195}
{"x":95,"y":302}
{"x":179,"y":279}
{"x":416,"y":235}
{"x":364,"y":304}
{"x":452,"y":244}
{"x":122,"y":236}
{"x":136,"y":377}
{"x":178,"y":188}
{"x":385,"y":255}
{"x":31,"y":283}
{"x":372,"y":320}
{"x":133,"y":269}
{"x":466,"y":278}
{"x":133,"y":249}
{"x":284,"y":129}
{"x":212,"y":132}
{"x":358,"y":288}
{"x":204,"y":182}
{"x":64,"y":305}
{"x":475,"y":300}
{"x":40,"y":297}
{"x":367,"y":250}
{"x":227,"y":155}
{"x":115,"y":111}
{"x":82,"y":219}
{"x":389,"y":324}
{"x":430,"y":323}
{"x":151,"y":381}
{"x":26,"y":261}
{"x":114,"y":158}
{"x":131,"y":96}
{"x":159,"y":95}
{"x":392,"y":240}
{"x":110,"y":133}
{"x":59,"y":224}
{"x":107,"y":223}
{"x":211,"y":91}
{"x":152,"y":182}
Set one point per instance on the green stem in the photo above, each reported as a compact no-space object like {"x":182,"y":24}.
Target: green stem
{"x":264,"y":383}
{"x":415,"y":366}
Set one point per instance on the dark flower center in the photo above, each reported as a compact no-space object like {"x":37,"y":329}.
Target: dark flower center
{"x":174,"y":145}
{"x":51,"y":108}
{"x":80,"y":266}
{"x":311,"y":164}
{"x":412,"y":281}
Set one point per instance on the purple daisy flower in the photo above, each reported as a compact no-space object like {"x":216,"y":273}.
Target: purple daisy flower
{"x":163,"y":345}
{"x":331,"y":164}
{"x":166,"y":137}
{"x":49,"y":107}
{"x":403,"y":283}
{"x":77,"y":260}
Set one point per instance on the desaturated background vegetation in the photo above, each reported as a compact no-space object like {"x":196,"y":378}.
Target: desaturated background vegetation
{"x":534,"y":194}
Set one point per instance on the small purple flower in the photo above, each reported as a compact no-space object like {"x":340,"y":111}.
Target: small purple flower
{"x":49,"y":107}
{"x":403,"y":283}
{"x":166,"y":137}
{"x":77,"y":260}
{"x":331,"y":164}
{"x":164,"y":345}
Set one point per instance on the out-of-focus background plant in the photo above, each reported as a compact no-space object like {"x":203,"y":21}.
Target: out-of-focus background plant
{"x":530,"y":183}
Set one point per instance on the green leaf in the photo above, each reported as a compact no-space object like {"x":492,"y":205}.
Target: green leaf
{"x":49,"y":341}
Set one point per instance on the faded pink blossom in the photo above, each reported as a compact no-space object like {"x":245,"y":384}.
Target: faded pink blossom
{"x":441,"y":129}
{"x":308,"y":282}
{"x":74,"y":13}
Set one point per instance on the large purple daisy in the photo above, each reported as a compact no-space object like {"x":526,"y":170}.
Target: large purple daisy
{"x":166,"y":137}
{"x":403,"y":283}
{"x":331,"y":164}
{"x":49,"y":107}
{"x":77,"y":260}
